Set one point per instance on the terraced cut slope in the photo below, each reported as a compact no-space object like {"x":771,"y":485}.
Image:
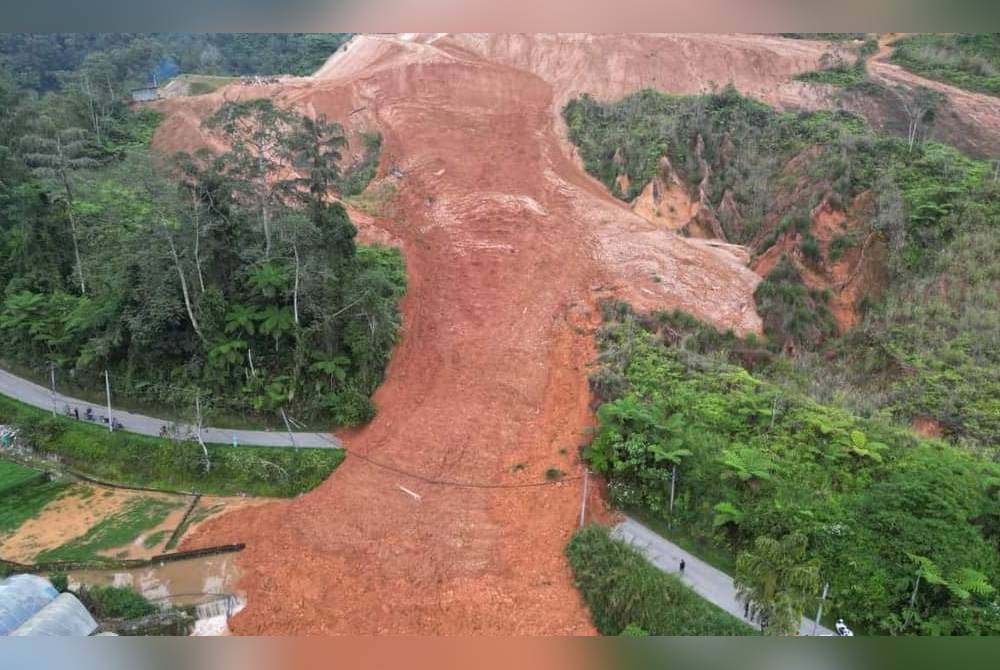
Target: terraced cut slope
{"x":509,"y":245}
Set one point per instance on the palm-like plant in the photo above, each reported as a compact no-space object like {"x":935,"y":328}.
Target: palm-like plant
{"x":727,"y":513}
{"x":242,"y":318}
{"x":270,"y":279}
{"x":747,"y":464}
{"x":227,"y":352}
{"x":778,"y":581}
{"x":276,"y":321}
{"x":334,"y":367}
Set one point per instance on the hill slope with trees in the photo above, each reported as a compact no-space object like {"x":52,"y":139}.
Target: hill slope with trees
{"x":227,"y":280}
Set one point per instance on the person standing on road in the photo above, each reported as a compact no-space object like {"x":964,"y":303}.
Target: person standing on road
{"x":76,"y":413}
{"x":682,"y":566}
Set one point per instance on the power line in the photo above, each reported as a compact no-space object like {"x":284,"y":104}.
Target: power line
{"x":446,"y":482}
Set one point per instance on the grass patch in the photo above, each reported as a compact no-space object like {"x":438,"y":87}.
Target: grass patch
{"x":154,"y":539}
{"x":969,"y":61}
{"x":374,"y":201}
{"x":138,"y":460}
{"x":14,"y":475}
{"x":114,"y":602}
{"x":27,"y":502}
{"x":200,"y":84}
{"x":625,"y":590}
{"x":117,"y":530}
{"x":842,"y":74}
{"x":360,"y":173}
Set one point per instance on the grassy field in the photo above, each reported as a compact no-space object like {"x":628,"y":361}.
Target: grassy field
{"x":13,"y":475}
{"x":625,"y":591}
{"x":117,"y":530}
{"x":137,"y":460}
{"x":24,"y":502}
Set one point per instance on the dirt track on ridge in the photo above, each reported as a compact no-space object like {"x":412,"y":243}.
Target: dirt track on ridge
{"x":508,"y":247}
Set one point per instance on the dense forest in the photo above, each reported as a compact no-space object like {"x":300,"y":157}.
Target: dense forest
{"x":927,"y":208}
{"x":792,"y":455}
{"x":49,"y":61}
{"x":802,"y":493}
{"x":228,"y":281}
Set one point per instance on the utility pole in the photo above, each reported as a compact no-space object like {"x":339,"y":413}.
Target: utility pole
{"x":673,"y":484}
{"x":204,"y":447}
{"x":819,"y":611}
{"x":583,"y":502}
{"x":913,"y":600}
{"x":52,"y":374}
{"x":107,"y":389}
{"x":288,"y":427}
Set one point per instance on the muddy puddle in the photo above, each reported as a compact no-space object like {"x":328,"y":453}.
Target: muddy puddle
{"x":190,"y":582}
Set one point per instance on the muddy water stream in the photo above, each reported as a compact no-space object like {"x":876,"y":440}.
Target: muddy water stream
{"x":181,"y":583}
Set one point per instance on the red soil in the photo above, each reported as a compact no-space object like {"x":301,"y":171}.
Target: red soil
{"x":508,"y":244}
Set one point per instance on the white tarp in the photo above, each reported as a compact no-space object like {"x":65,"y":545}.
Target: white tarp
{"x":65,"y":616}
{"x":21,"y":597}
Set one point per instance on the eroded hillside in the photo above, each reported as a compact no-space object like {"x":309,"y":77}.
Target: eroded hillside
{"x":509,"y":244}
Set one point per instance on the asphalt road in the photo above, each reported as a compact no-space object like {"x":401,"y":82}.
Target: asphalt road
{"x":41,"y":397}
{"x":713,"y":585}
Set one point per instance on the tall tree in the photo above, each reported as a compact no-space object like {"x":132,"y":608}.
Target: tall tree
{"x":315,"y":146}
{"x":55,"y":153}
{"x":256,"y":131}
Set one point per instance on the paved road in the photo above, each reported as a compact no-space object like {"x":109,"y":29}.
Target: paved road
{"x":713,"y":585}
{"x":39,"y":396}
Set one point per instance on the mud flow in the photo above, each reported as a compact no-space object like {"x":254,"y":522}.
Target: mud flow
{"x":509,"y":245}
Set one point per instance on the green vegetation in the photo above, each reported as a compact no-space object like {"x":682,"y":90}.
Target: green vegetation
{"x":114,"y":531}
{"x":760,"y":466}
{"x":14,"y":475}
{"x":26,"y":501}
{"x":155,"y":539}
{"x":832,"y":37}
{"x":837,"y":71}
{"x":360,"y":173}
{"x":199,"y":84}
{"x":841,"y":74}
{"x":627,"y":595}
{"x":216,"y":282}
{"x":791,"y":311}
{"x":927,"y":214}
{"x":970,"y":61}
{"x":136,"y":460}
{"x":43,"y":62}
{"x":115,"y":602}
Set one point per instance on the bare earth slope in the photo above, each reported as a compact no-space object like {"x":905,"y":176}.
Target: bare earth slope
{"x":508,"y":245}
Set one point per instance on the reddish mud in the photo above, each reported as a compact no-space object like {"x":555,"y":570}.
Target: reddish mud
{"x":509,"y":245}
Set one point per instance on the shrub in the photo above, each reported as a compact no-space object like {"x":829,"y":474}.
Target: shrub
{"x":113,"y":602}
{"x":810,"y":248}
